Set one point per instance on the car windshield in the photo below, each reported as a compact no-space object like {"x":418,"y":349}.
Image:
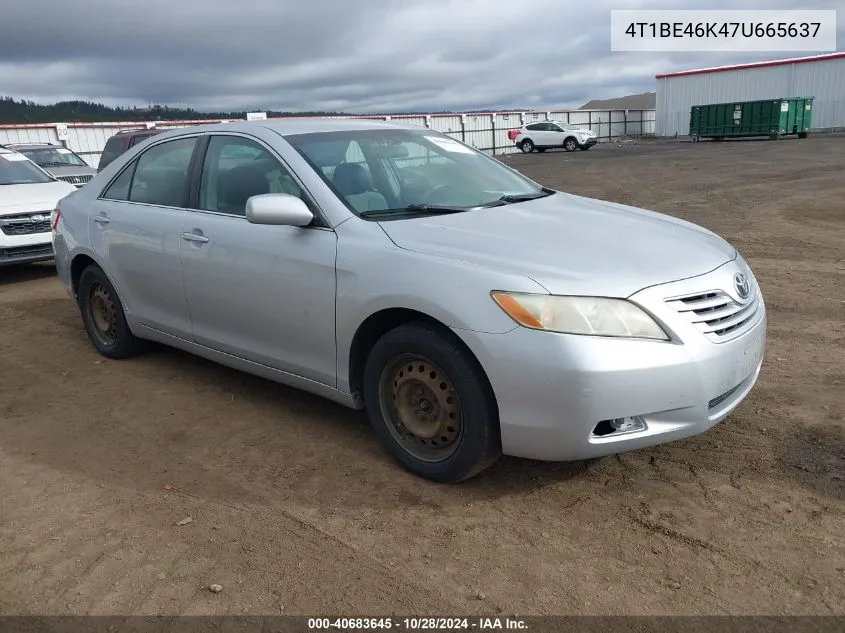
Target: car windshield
{"x":15,"y":169}
{"x":53,"y":157}
{"x":402,"y":171}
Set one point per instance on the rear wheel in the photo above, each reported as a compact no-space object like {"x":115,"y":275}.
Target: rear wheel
{"x":527,"y":146}
{"x":430,"y":404}
{"x":802,"y":134}
{"x":570,"y":144}
{"x":103,"y":316}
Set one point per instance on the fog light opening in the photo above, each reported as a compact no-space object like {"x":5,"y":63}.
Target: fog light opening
{"x":619,"y":426}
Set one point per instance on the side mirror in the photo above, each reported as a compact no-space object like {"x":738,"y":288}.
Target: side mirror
{"x":279,"y":209}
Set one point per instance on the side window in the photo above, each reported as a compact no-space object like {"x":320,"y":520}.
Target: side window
{"x":112,"y":150}
{"x":119,"y":188}
{"x":236,"y":169}
{"x":554,"y":128}
{"x":534,"y":127}
{"x":161,"y":174}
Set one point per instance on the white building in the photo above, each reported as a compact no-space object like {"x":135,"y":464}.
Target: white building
{"x":819,"y":76}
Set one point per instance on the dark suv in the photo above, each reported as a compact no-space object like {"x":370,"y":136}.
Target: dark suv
{"x":121,"y":142}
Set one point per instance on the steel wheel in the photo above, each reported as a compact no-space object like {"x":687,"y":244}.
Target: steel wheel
{"x":569,"y":145}
{"x":527,"y":146}
{"x":421,"y":407}
{"x":103,"y":314}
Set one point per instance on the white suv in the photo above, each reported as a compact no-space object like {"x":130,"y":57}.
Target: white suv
{"x":543,"y":135}
{"x":28,"y":195}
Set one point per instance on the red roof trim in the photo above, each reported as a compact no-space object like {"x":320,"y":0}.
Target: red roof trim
{"x":777,"y":62}
{"x":172,"y":123}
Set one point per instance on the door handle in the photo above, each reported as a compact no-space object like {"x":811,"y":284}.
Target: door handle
{"x":101,"y":219}
{"x":193,"y":237}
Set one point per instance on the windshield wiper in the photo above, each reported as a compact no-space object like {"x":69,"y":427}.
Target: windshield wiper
{"x":415,"y":208}
{"x":523,"y":197}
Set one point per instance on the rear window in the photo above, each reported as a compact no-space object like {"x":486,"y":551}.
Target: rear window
{"x":113,"y":149}
{"x":140,"y":137}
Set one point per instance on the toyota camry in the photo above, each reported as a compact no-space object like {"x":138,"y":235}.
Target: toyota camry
{"x":471,"y":311}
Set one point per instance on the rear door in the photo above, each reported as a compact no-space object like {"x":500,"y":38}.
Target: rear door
{"x":136,"y":231}
{"x":535,"y":132}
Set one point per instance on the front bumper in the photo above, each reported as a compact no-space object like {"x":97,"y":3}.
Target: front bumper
{"x":589,"y":142}
{"x":553,"y":389}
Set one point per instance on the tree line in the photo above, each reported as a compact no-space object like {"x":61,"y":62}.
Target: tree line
{"x":24,"y":111}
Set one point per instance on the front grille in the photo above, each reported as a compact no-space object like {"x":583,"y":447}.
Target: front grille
{"x":32,"y":250}
{"x":26,"y":223}
{"x":76,"y":180}
{"x":717,"y":315}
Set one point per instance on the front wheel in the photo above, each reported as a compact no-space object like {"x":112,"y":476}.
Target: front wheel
{"x":526,"y":146}
{"x":103,"y":316}
{"x":570,"y":144}
{"x":430,"y":404}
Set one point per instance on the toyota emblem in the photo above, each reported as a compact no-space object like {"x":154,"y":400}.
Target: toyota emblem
{"x":743,"y":288}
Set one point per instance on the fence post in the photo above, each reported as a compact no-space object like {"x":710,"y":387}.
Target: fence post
{"x":463,"y":128}
{"x":625,"y":124}
{"x":493,"y":130}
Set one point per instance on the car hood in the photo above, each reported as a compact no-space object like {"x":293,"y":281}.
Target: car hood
{"x":570,"y":244}
{"x":71,"y":170}
{"x":37,"y":197}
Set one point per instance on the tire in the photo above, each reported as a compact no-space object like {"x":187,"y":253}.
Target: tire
{"x":570,"y":144}
{"x":452,"y":431}
{"x":802,"y":134}
{"x":103,"y":316}
{"x":527,"y":146}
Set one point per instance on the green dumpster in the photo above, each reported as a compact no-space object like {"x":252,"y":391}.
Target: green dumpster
{"x":772,"y":117}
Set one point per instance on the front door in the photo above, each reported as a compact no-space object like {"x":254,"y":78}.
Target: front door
{"x":135,"y":227}
{"x":263,"y":293}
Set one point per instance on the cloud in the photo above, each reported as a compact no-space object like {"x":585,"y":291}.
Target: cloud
{"x":352,"y":55}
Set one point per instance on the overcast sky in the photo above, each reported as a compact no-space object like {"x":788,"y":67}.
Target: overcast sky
{"x":350,"y":55}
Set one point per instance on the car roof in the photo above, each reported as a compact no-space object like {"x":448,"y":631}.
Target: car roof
{"x":146,"y":130}
{"x":288,"y":126}
{"x":32,"y":145}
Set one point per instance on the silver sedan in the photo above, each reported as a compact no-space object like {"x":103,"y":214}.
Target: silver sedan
{"x":470,"y":310}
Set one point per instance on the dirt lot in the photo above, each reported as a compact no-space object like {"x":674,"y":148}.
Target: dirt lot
{"x":296,"y":509}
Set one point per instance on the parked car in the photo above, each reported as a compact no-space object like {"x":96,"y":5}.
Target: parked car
{"x":61,"y":162}
{"x":28,"y":195}
{"x":470,"y":310}
{"x":543,"y":135}
{"x":122,"y":142}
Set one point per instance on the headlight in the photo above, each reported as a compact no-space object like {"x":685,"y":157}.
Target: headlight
{"x":594,"y":316}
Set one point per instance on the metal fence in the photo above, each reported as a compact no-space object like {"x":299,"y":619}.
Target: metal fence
{"x":486,"y":131}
